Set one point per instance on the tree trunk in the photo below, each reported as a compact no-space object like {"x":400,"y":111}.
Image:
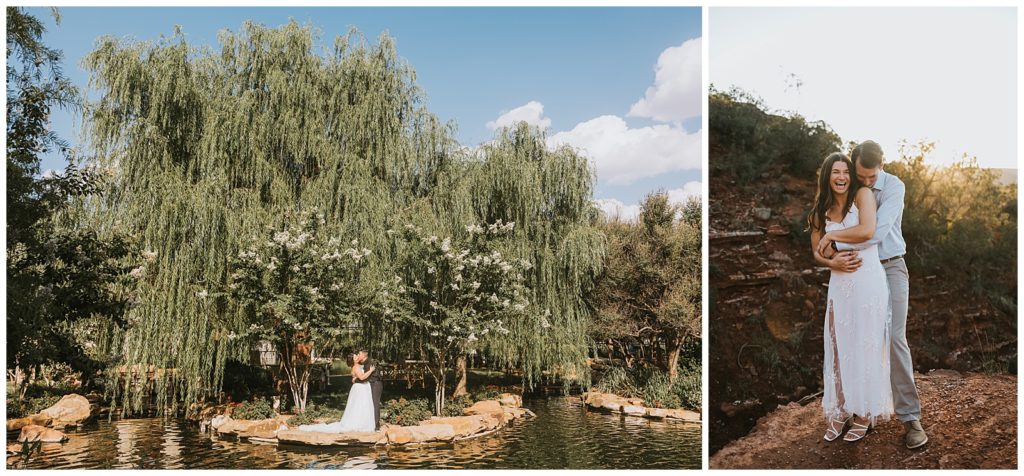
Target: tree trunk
{"x":673,"y":345}
{"x":439,"y":380}
{"x":461,"y":370}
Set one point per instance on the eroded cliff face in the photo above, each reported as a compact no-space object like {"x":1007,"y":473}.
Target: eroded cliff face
{"x":767,"y":307}
{"x":971,"y":421}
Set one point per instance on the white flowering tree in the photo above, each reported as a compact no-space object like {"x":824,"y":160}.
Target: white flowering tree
{"x":449,"y":296}
{"x":299,"y":289}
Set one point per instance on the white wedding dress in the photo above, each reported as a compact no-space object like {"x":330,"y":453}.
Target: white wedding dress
{"x":857,"y":322}
{"x":358,"y":416}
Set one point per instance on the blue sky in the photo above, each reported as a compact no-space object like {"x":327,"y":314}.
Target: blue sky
{"x":620,"y":83}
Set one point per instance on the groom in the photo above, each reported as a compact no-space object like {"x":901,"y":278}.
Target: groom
{"x":376,"y":385}
{"x":889,"y":193}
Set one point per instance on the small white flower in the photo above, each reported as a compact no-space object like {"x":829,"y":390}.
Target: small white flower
{"x":202,"y":294}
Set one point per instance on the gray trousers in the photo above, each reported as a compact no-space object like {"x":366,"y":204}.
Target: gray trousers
{"x":901,"y":372}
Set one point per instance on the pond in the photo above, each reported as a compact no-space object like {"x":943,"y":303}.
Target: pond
{"x":563,"y":435}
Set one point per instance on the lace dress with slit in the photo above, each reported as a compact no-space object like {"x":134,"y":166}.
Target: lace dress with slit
{"x":857,"y":321}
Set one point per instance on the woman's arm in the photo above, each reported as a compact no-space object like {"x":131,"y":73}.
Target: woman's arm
{"x":865,"y":201}
{"x":845,"y":261}
{"x":358,"y":373}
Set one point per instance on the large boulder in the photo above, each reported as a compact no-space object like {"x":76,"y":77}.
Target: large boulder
{"x":33,"y":433}
{"x":464,"y":426}
{"x":484,"y":407}
{"x":681,"y":414}
{"x":657,"y":413}
{"x":634,"y":410}
{"x":510,"y":400}
{"x":398,"y":435}
{"x":515,"y":413}
{"x":432,"y":432}
{"x":613,"y":406}
{"x":70,"y":410}
{"x":19,"y":423}
{"x":316,"y":438}
{"x":253,"y":428}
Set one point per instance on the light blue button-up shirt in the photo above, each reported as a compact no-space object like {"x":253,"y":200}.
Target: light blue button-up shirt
{"x":889,"y":193}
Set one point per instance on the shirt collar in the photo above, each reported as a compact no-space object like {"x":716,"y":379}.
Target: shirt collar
{"x":880,"y":183}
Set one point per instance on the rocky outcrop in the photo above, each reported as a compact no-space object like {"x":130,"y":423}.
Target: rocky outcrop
{"x":480,"y":419}
{"x":19,"y":423}
{"x":611,"y":403}
{"x":70,"y":410}
{"x":34,"y":433}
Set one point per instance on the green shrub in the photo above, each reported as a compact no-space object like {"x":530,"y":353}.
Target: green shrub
{"x":486,"y":393}
{"x":405,"y":412}
{"x":658,"y":392}
{"x":316,"y":412}
{"x":687,"y":386}
{"x":256,"y":409}
{"x":620,"y":381}
{"x":455,"y":406}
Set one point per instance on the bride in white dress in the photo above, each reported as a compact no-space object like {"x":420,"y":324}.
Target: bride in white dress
{"x":857,"y":390}
{"x":358,"y":416}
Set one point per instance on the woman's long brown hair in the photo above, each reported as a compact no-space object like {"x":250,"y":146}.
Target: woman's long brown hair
{"x":824,"y":199}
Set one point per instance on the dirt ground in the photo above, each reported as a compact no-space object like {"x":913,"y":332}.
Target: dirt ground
{"x":971,"y":421}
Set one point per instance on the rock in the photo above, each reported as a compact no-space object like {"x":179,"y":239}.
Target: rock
{"x":945,"y":373}
{"x":463,"y":426}
{"x":634,"y":410}
{"x":510,"y":400}
{"x":681,"y":414}
{"x":218,"y":420}
{"x":657,"y":413}
{"x":762,"y":213}
{"x":398,"y":435}
{"x":484,"y":407}
{"x":316,"y":438}
{"x":594,"y":399}
{"x":515,"y":413}
{"x":19,"y":423}
{"x":634,"y":401}
{"x":71,"y":409}
{"x":254,"y":428}
{"x":612,"y":406}
{"x":432,"y":432}
{"x":33,"y":433}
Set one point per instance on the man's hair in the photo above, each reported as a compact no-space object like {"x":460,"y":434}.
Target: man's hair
{"x":363,"y":349}
{"x":867,"y":154}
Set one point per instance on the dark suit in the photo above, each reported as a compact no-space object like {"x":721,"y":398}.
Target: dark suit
{"x":376,"y":387}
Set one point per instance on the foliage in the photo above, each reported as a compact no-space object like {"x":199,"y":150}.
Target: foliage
{"x":30,"y":405}
{"x":960,"y":222}
{"x":750,"y":141}
{"x":654,"y":387}
{"x":455,"y":406}
{"x":297,"y":288}
{"x":255,"y":409}
{"x":314,"y":413}
{"x":206,"y":145}
{"x":620,"y":381}
{"x":60,"y":270}
{"x":449,"y":293}
{"x":486,"y":393}
{"x":405,"y":412}
{"x":650,"y":293}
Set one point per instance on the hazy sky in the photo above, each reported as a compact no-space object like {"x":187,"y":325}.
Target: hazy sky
{"x":947,"y":75}
{"x":623,"y":84}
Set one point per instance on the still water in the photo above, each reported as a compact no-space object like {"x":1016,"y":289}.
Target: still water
{"x":563,"y":435}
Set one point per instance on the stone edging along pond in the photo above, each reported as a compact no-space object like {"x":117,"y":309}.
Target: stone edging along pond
{"x":611,"y":403}
{"x":481,"y":418}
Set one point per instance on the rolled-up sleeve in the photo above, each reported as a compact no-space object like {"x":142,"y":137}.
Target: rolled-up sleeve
{"x":890,"y":210}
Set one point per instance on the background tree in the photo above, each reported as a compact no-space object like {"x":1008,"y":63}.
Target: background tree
{"x":298,"y":288}
{"x":650,"y":293}
{"x":60,"y":271}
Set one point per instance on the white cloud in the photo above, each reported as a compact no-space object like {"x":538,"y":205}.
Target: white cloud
{"x":623,"y":155}
{"x":676,"y":93}
{"x":531,"y":112}
{"x":682,"y":195}
{"x":613,"y":208}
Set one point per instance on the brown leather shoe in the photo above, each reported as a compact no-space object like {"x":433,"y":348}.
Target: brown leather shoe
{"x":916,"y":437}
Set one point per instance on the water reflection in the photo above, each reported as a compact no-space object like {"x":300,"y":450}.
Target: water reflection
{"x":564,"y":435}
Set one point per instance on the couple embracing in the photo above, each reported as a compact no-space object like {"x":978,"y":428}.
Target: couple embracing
{"x":856,"y":231}
{"x":362,"y":411}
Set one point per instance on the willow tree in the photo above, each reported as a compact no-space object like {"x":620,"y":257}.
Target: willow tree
{"x":208,"y":145}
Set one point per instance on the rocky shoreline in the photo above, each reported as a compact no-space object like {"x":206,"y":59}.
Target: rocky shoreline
{"x":611,"y":403}
{"x":482,"y":418}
